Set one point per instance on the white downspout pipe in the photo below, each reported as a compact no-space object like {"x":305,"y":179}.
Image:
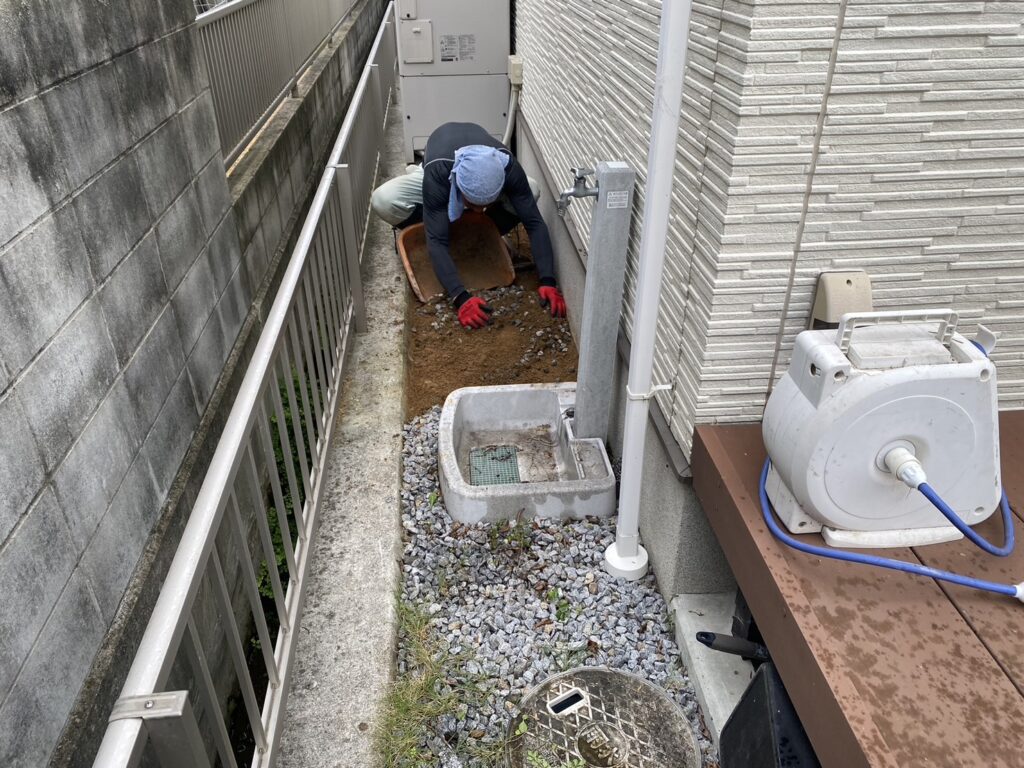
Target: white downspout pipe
{"x":625,"y":557}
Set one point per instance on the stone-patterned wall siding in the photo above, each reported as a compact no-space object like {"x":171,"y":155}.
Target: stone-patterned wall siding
{"x":816,"y":135}
{"x":120,"y":299}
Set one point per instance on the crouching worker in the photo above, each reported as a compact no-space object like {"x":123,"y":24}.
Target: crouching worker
{"x":465,"y":167}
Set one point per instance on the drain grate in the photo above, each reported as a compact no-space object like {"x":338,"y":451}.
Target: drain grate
{"x":494,"y":465}
{"x":600,"y":718}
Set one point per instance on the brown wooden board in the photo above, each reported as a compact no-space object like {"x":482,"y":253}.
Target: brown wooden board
{"x":476,"y":249}
{"x":881,"y":666}
{"x":992,"y":617}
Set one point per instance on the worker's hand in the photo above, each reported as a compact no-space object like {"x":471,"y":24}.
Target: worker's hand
{"x":551,"y":299}
{"x":474,"y":313}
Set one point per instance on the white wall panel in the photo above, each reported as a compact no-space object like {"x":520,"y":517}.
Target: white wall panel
{"x":887,"y":136}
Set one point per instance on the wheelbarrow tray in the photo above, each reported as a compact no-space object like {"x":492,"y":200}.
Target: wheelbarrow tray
{"x":476,"y":248}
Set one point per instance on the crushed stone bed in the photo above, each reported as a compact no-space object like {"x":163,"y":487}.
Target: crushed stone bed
{"x":512,"y":604}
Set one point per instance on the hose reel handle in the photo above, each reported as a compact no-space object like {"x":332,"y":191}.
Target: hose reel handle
{"x":946,"y":318}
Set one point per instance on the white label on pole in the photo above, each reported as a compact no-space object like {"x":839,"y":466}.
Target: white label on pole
{"x":618,"y":199}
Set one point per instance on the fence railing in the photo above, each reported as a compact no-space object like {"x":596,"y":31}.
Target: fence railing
{"x":244,"y":557}
{"x":255,"y":52}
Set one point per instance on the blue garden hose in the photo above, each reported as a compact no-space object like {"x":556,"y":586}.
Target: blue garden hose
{"x":929,"y":493}
{"x":1012,"y":590}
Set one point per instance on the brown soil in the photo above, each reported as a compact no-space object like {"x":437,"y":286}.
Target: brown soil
{"x":522,"y":345}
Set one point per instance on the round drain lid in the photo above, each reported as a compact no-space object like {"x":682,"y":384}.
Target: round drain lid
{"x":604,"y":718}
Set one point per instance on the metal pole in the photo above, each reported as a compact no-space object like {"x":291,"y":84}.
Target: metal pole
{"x":625,"y":557}
{"x":351,"y":254}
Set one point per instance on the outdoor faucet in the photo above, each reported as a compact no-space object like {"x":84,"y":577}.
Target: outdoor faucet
{"x":579,"y":188}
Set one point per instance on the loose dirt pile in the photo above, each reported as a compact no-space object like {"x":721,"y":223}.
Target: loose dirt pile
{"x":522,"y":345}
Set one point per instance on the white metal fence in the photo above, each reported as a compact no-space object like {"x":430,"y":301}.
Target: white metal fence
{"x":268,"y":470}
{"x":255,"y":51}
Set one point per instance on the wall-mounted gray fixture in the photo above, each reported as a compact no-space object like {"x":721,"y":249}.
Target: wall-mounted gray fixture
{"x":602,"y":300}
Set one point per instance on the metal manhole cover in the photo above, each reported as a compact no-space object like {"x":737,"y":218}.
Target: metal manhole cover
{"x":494,"y":465}
{"x":604,"y":718}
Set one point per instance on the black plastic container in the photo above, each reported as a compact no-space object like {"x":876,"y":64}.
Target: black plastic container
{"x":764,"y":730}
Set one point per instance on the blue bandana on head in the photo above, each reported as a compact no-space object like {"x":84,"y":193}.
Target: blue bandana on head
{"x":477,"y":176}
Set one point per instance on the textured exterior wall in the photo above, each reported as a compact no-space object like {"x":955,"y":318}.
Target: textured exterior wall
{"x":877,"y":135}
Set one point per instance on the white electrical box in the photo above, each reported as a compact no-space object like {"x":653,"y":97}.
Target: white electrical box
{"x":453,"y":65}
{"x":884,"y":380}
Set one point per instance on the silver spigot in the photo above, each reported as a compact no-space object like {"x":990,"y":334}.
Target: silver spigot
{"x":579,"y":188}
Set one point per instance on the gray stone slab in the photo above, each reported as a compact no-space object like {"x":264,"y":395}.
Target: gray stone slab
{"x":163,"y":162}
{"x":114,"y":549}
{"x":44,"y":277}
{"x":87,"y":480}
{"x":718,"y":678}
{"x":213,"y":195}
{"x":247,"y":215}
{"x":16,"y":77}
{"x":86,"y":115}
{"x":194,"y":302}
{"x":34,"y":176}
{"x":177,"y":13}
{"x":113,"y":214}
{"x":21,"y":464}
{"x":121,"y":29}
{"x":181,"y":238}
{"x":206,"y":360}
{"x":67,"y":381}
{"x":255,"y":262}
{"x":233,"y":306}
{"x":147,"y":19}
{"x":34,"y":713}
{"x":36,"y":564}
{"x":144,"y":82}
{"x":61,"y":37}
{"x":271,"y":227}
{"x":154,"y":369}
{"x":184,"y":63}
{"x":133,"y":297}
{"x":171,"y":435}
{"x":223,"y":252}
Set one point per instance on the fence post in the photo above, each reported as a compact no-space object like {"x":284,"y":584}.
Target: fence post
{"x":171,"y":726}
{"x":343,"y":182}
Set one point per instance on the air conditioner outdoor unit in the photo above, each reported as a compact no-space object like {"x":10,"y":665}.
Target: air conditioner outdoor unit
{"x":453,"y":65}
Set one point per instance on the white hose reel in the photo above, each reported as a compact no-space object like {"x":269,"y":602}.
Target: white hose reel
{"x":883,"y":381}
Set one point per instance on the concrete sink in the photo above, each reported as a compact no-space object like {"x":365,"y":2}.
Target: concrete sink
{"x":508,"y":452}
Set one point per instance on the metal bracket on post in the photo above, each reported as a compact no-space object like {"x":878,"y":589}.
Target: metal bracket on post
{"x":343,"y":180}
{"x":630,"y":395}
{"x":171,"y":726}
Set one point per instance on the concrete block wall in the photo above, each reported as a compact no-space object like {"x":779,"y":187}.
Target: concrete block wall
{"x":815,"y":135}
{"x":278,"y":172}
{"x":122,"y":296}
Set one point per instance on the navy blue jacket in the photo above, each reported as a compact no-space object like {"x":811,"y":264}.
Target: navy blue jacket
{"x":438,"y":158}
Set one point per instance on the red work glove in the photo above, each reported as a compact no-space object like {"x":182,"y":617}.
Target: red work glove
{"x":474,"y":313}
{"x":551,"y":299}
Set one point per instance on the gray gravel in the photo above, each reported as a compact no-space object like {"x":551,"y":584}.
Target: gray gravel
{"x":516,"y":603}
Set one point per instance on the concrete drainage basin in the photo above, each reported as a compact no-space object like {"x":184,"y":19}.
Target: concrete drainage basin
{"x":509,"y":451}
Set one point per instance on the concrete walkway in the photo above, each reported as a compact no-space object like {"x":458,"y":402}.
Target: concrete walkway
{"x":345,"y":654}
